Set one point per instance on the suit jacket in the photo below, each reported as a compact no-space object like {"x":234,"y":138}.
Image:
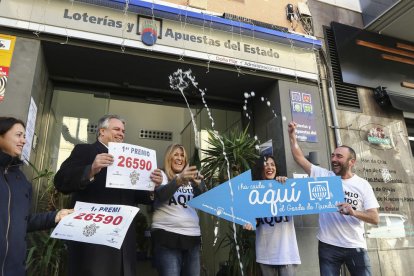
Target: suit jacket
{"x":91,"y":259}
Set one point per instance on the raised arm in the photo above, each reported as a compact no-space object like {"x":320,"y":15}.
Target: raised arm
{"x":296,"y":150}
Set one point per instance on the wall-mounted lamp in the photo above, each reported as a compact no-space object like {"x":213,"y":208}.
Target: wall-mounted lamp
{"x":313,"y":157}
{"x":290,"y":13}
{"x":381,"y":96}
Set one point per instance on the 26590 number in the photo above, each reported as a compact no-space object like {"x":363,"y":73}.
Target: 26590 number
{"x":134,"y":163}
{"x":99,"y":218}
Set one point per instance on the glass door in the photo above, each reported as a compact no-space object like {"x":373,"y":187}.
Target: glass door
{"x":73,"y":120}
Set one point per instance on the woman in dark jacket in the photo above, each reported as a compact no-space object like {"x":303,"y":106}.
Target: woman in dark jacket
{"x":15,"y":201}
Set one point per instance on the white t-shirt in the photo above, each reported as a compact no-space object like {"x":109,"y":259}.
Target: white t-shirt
{"x":276,"y":241}
{"x":174,"y":215}
{"x":343,"y":230}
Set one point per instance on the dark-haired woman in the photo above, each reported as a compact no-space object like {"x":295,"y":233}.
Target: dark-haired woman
{"x":175,"y":227}
{"x":15,"y":201}
{"x":276,"y":246}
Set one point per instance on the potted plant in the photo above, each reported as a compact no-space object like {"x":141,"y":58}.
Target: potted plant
{"x":237,"y":146}
{"x":241,"y":152}
{"x":46,"y":256}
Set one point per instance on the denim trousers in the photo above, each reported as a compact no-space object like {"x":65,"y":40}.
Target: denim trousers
{"x":331,"y":258}
{"x":177,"y":262}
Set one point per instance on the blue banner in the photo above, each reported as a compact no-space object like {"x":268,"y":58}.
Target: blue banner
{"x":242,"y":200}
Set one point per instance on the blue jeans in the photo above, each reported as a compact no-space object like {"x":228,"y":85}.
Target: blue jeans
{"x":177,"y":262}
{"x":331,"y":258}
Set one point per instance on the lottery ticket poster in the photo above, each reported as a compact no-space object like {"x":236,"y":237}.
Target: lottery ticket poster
{"x":6,"y":53}
{"x":132,"y":167}
{"x":303,"y":114}
{"x":103,"y":224}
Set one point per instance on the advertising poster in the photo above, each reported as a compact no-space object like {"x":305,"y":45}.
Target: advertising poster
{"x":6,"y":52}
{"x":30,"y":131}
{"x":303,"y":114}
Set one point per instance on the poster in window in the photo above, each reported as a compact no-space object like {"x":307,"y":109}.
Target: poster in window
{"x":303,"y":114}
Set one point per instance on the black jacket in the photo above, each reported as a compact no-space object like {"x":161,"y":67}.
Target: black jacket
{"x":91,"y":259}
{"x":15,"y":217}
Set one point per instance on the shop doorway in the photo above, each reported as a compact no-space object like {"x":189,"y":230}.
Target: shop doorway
{"x":73,"y":120}
{"x":74,"y":116}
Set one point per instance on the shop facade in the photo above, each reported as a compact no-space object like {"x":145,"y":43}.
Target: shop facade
{"x":73,"y":61}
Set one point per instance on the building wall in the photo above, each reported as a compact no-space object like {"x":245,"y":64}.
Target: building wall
{"x":28,"y":79}
{"x":273,"y":12}
{"x":389,"y":170}
{"x":21,"y":82}
{"x":390,"y":173}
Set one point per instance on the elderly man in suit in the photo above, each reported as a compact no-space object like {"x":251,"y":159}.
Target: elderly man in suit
{"x":84,"y":175}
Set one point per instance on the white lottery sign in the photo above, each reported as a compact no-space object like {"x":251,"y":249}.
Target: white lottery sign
{"x":104,"y":224}
{"x":132,"y":167}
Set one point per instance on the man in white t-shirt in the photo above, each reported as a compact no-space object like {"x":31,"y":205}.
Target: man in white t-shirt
{"x":341,"y":235}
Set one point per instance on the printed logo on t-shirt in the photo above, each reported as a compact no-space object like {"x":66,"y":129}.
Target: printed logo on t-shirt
{"x":352,"y":198}
{"x":271,"y":221}
{"x":182,"y":196}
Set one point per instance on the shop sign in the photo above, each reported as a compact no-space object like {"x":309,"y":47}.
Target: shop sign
{"x":150,"y":29}
{"x":377,"y":136}
{"x":180,"y":38}
{"x":6,"y":52}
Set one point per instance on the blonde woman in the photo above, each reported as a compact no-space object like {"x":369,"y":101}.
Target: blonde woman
{"x":175,"y":227}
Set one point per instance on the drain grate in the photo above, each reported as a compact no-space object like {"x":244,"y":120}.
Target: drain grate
{"x":155,"y":134}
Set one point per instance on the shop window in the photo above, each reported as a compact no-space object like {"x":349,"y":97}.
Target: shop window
{"x":410,"y":130}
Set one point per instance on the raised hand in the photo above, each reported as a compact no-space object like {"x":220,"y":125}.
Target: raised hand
{"x":101,"y":161}
{"x":156,"y":177}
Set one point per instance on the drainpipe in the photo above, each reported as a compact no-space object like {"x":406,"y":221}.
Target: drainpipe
{"x":334,"y":116}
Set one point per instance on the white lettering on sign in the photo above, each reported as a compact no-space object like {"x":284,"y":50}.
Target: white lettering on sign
{"x":272,"y":197}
